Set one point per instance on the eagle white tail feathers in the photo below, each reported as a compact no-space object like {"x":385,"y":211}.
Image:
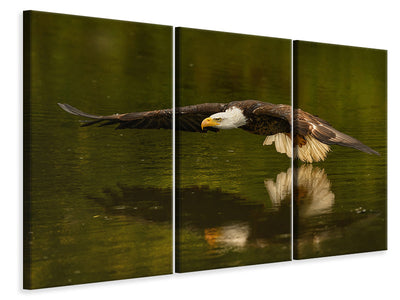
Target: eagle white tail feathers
{"x":313,"y":150}
{"x":283,"y":143}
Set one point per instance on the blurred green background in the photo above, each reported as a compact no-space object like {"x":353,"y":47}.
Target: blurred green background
{"x":346,"y":86}
{"x":100,"y":199}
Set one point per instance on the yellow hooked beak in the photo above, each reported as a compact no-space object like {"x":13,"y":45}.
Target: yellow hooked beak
{"x":208,"y":122}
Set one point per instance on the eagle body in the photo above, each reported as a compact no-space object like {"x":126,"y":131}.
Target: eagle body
{"x":266,"y":125}
{"x":311,"y":135}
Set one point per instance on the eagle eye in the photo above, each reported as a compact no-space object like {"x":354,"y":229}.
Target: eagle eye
{"x":218,"y":119}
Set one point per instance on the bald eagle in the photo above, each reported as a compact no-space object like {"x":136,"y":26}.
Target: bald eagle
{"x":312,"y":136}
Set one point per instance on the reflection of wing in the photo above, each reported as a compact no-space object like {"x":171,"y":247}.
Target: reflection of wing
{"x":281,"y":188}
{"x":312,"y":190}
{"x":188,"y":117}
{"x":306,"y":124}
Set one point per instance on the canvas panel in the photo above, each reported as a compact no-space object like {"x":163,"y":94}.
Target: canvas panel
{"x":97,"y":201}
{"x":232,"y":193}
{"x":340,"y":203}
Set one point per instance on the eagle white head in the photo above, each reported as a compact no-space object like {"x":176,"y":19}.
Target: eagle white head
{"x":231,"y":118}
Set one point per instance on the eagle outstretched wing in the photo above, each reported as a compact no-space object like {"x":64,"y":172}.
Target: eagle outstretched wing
{"x":281,"y":111}
{"x":188,"y":118}
{"x":307,"y":124}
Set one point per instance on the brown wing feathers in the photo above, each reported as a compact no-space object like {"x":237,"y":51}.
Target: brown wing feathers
{"x":77,"y":112}
{"x":188,"y":118}
{"x":142,"y":120}
{"x":307,"y":124}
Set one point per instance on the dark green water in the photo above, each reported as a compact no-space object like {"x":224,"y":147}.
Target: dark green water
{"x":229,"y":219}
{"x":100,"y":198}
{"x":343,"y":210}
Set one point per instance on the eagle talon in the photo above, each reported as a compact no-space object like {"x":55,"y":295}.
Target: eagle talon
{"x":299,"y":140}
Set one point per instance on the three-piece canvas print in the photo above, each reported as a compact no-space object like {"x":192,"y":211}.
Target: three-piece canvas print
{"x":271,"y":150}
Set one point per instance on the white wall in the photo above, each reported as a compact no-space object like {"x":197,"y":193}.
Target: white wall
{"x":360,"y":23}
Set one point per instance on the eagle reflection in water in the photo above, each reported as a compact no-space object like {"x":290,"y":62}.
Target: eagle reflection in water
{"x":312,"y":190}
{"x":312,"y":193}
{"x":227,"y":222}
{"x":313,"y":196}
{"x":313,"y":201}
